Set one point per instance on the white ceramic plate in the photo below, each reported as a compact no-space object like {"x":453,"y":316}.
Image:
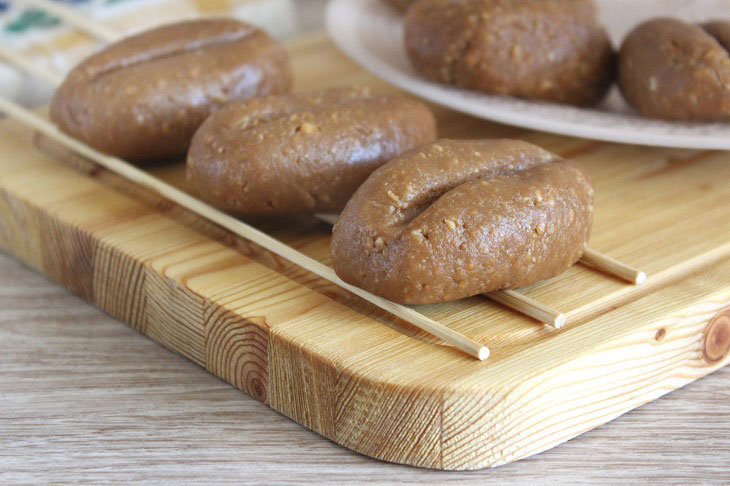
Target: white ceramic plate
{"x":371,"y":33}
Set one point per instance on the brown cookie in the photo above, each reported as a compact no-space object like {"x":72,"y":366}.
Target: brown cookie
{"x":302,"y":153}
{"x":459,"y":218}
{"x":551,"y":50}
{"x":143,"y":97}
{"x":673,"y":70}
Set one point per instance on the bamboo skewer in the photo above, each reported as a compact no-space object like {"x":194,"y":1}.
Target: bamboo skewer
{"x":508,"y":298}
{"x":72,"y":17}
{"x":607,"y":264}
{"x":330,"y":219}
{"x":33,"y":68}
{"x":530,"y":307}
{"x":138,"y":176}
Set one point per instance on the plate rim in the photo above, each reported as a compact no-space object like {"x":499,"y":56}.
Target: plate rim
{"x":439,"y":94}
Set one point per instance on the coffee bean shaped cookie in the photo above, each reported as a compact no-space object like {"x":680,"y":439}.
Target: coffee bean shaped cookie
{"x":143,"y":97}
{"x":673,"y":70}
{"x":455,"y":219}
{"x":552,"y":50}
{"x":301,"y":153}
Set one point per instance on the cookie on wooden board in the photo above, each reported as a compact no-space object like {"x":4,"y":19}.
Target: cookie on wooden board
{"x":302,"y":153}
{"x":142,"y":98}
{"x":454,"y":219}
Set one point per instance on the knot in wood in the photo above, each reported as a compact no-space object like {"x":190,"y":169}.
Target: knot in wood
{"x":716,"y":342}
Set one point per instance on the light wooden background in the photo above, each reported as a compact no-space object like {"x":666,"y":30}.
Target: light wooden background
{"x":86,"y":399}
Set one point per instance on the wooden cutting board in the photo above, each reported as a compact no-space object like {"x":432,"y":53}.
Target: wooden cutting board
{"x":353,"y":373}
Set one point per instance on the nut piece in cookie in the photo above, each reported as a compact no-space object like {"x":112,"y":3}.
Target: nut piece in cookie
{"x":552,"y":50}
{"x":302,"y":153}
{"x":454,"y":219}
{"x":142,"y":98}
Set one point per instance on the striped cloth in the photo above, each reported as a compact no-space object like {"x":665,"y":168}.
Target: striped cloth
{"x":43,"y":38}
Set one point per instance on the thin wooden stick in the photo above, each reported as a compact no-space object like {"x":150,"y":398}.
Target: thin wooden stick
{"x":23,"y":63}
{"x":328,"y":218}
{"x":614,"y":267}
{"x":72,"y":17}
{"x":509,"y":298}
{"x":238,"y":227}
{"x":529,"y":307}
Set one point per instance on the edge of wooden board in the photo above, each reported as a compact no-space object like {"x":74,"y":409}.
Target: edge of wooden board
{"x":390,"y":396}
{"x":519,"y":406}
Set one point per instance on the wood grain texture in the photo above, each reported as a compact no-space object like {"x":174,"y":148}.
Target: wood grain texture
{"x":329,"y":361}
{"x":86,"y":400}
